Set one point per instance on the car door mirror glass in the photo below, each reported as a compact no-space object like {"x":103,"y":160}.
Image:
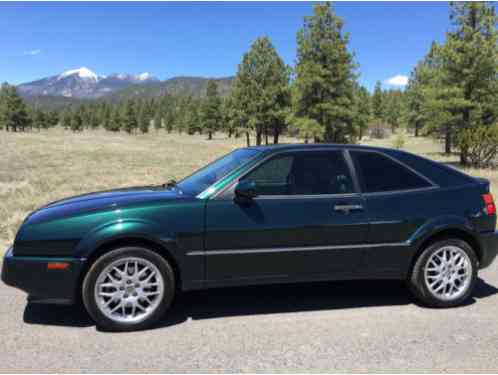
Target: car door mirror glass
{"x":246,"y":189}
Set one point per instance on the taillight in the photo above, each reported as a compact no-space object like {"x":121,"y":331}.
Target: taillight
{"x":489,"y":204}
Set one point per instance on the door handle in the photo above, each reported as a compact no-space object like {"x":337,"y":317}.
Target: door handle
{"x":346,"y":208}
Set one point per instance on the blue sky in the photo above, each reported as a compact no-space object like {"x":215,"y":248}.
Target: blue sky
{"x":202,"y":39}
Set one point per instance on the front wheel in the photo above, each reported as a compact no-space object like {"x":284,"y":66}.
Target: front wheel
{"x":444,"y":274}
{"x":128,"y":289}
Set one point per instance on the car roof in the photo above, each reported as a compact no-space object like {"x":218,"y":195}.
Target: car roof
{"x":311,"y":146}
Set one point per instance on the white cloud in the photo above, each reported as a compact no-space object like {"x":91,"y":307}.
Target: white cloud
{"x":398,"y":80}
{"x":32,"y":52}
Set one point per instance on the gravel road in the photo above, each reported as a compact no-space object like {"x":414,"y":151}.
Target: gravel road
{"x":340,"y":326}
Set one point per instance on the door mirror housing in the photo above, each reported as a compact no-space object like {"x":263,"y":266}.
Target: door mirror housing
{"x":246,"y":189}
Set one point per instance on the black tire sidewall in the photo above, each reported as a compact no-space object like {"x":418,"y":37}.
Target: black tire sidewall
{"x":418,"y":284}
{"x":88,"y":289}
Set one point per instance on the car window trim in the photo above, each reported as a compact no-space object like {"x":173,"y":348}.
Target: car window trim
{"x":356,"y":193}
{"x":306,"y":196}
{"x":202,"y":193}
{"x":417,"y":173}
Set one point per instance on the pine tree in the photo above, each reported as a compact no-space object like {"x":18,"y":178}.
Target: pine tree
{"x":39,"y":119}
{"x":260,"y":95}
{"x":167,"y":107}
{"x":84,"y":114}
{"x":129,"y":117}
{"x":115,"y":119}
{"x":158,"y":120}
{"x":170,"y":119}
{"x":471,"y":64}
{"x":106,"y":114}
{"x":210,"y":113}
{"x":416,"y":97}
{"x":191,"y":118}
{"x":52,"y":118}
{"x":3,"y":105}
{"x":393,"y":108}
{"x":237,"y":112}
{"x":13,"y":110}
{"x":434,"y":98}
{"x":226,"y":115}
{"x":325,"y":75}
{"x":143,"y":119}
{"x":77,"y":120}
{"x":378,"y":103}
{"x":362,"y":111}
{"x":66,"y":119}
{"x":93,"y":117}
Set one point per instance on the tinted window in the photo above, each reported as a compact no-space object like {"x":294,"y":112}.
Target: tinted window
{"x":303,"y":173}
{"x":442,"y":175}
{"x":380,"y":173}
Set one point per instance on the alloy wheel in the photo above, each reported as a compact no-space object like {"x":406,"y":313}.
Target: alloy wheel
{"x":448,"y":273}
{"x":129,"y":290}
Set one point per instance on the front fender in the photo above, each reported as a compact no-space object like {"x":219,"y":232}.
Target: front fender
{"x":121,"y":229}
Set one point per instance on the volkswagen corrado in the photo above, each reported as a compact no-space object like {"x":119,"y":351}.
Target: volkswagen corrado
{"x":275,"y":214}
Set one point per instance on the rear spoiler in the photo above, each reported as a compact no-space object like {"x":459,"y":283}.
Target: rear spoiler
{"x":484,"y":182}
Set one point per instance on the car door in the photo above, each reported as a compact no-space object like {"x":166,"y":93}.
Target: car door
{"x":307,"y":221}
{"x":399,"y":201}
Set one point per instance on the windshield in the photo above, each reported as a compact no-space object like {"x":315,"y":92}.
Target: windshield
{"x":205,"y":177}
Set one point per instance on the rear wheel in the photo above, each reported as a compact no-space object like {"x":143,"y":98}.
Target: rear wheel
{"x":128,"y":289}
{"x":444,"y":274}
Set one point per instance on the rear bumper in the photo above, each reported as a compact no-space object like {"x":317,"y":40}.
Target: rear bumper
{"x":31,"y":275}
{"x":489,"y":247}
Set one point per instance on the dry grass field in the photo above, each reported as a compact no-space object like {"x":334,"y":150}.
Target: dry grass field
{"x":37,"y":168}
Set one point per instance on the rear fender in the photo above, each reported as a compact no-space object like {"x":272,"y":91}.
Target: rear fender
{"x":438,"y":225}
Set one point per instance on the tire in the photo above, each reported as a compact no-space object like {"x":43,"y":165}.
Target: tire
{"x":437,"y":275}
{"x":137,"y":283}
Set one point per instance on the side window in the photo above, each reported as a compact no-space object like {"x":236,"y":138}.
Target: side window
{"x":274,"y":171}
{"x":272,"y":177}
{"x":303,"y":173}
{"x":379,"y":173}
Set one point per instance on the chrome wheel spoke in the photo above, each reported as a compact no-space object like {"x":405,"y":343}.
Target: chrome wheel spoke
{"x":116,"y":307}
{"x":133,"y":309}
{"x":447,"y":273}
{"x":122,"y":296}
{"x":148,"y":294}
{"x":141,"y":272}
{"x":107,"y":294}
{"x":139,"y":306}
{"x":113,"y":279}
{"x":118,"y":272}
{"x":149,"y":277}
{"x":109,"y":285}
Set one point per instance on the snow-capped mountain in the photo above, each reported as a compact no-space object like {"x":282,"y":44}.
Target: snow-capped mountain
{"x":82,"y":83}
{"x":83,"y":73}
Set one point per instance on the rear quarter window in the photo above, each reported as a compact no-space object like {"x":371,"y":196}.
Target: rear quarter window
{"x":379,"y":173}
{"x":439,"y":173}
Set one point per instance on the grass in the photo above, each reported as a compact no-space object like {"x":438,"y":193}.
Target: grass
{"x":37,"y":168}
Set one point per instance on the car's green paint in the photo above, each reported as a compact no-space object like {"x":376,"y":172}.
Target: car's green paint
{"x":171,"y":220}
{"x":214,"y":240}
{"x":30,"y":273}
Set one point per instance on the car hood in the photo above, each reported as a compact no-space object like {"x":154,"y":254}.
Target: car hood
{"x":101,"y":200}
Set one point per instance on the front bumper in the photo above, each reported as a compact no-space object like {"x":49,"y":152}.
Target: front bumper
{"x":31,"y":274}
{"x":489,"y":248}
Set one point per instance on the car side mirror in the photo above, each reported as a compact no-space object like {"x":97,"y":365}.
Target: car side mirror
{"x":246,"y":189}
